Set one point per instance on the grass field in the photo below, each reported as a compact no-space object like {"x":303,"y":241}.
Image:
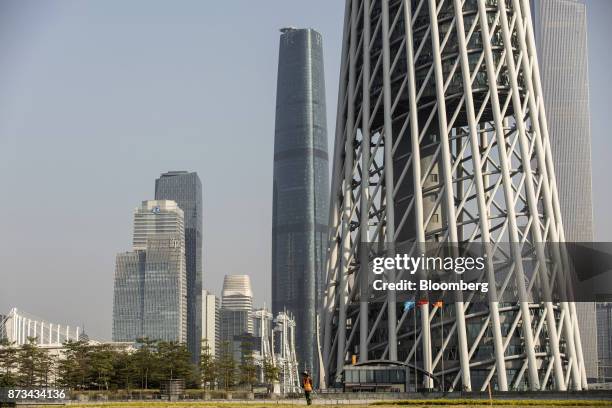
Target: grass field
{"x":382,"y":404}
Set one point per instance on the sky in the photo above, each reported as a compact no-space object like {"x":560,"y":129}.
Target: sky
{"x":97,"y":98}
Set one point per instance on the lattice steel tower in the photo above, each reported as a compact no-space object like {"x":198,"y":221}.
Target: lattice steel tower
{"x":442,"y":137}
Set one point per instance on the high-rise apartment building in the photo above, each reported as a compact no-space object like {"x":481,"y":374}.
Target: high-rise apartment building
{"x":211,"y":321}
{"x":185,"y":188}
{"x":561,"y":40}
{"x":236,"y":307}
{"x":442,"y":139}
{"x":301,"y":185}
{"x":150,"y":291}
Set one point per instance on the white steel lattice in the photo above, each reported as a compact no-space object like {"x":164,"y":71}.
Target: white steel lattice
{"x":442,"y":137}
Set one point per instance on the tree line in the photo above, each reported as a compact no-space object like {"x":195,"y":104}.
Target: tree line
{"x":84,"y":366}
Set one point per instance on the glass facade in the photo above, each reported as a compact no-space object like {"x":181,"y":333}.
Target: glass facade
{"x":604,"y":341}
{"x":150,"y":290}
{"x":301,"y":185}
{"x":186,"y":189}
{"x":165,"y":289}
{"x":128,"y":296}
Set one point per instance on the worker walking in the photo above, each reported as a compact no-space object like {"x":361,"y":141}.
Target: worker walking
{"x":307,"y":385}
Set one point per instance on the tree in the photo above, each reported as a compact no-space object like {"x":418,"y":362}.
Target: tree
{"x":145,"y":360}
{"x":270,"y":371}
{"x":247,"y":368}
{"x":125,"y":373}
{"x":73,"y":369}
{"x":34,"y":364}
{"x":208,"y":369}
{"x":226,"y":366}
{"x":174,"y":362}
{"x":8,"y":363}
{"x":101,"y":366}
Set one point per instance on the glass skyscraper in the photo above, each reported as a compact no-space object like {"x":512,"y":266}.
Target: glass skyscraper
{"x":186,"y":189}
{"x":301,"y":185}
{"x":128,"y":299}
{"x":561,"y":41}
{"x":150,"y":295}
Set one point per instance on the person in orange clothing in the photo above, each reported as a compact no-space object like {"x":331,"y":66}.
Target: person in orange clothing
{"x":307,"y":386}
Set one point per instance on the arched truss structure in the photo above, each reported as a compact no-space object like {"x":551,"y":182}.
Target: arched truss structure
{"x":442,"y":136}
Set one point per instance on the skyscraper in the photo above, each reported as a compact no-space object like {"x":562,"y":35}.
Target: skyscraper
{"x":301,"y":185}
{"x":128,"y":299}
{"x":165,"y":288}
{"x":156,"y":217}
{"x":442,"y":138}
{"x":186,"y":189}
{"x":604,"y":341}
{"x":561,"y":39}
{"x":236,"y":307}
{"x":150,"y":290}
{"x":211,"y":321}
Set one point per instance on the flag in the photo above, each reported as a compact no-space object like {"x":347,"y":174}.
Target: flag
{"x":408,"y":305}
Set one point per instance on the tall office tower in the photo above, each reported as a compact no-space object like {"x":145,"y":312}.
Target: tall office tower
{"x":156,"y":217}
{"x":165,"y":288}
{"x":150,"y":295}
{"x":604,"y":341}
{"x":301,"y":185}
{"x":236,"y":307}
{"x":561,"y":40}
{"x":211,"y":321}
{"x":186,"y":189}
{"x":442,"y":137}
{"x":128,"y":299}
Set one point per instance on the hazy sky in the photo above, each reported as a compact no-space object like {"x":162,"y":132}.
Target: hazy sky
{"x":97,"y":98}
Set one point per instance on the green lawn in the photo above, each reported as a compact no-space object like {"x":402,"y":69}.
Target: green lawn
{"x":382,"y":404}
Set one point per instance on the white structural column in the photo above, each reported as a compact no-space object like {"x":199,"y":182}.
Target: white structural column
{"x":364,"y":208}
{"x":333,"y":261}
{"x":419,"y":221}
{"x":389,"y":186}
{"x":545,"y":165}
{"x":449,"y":196}
{"x":530,"y":192}
{"x":347,"y":199}
{"x":480,"y":189}
{"x":509,"y":194}
{"x":530,"y":188}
